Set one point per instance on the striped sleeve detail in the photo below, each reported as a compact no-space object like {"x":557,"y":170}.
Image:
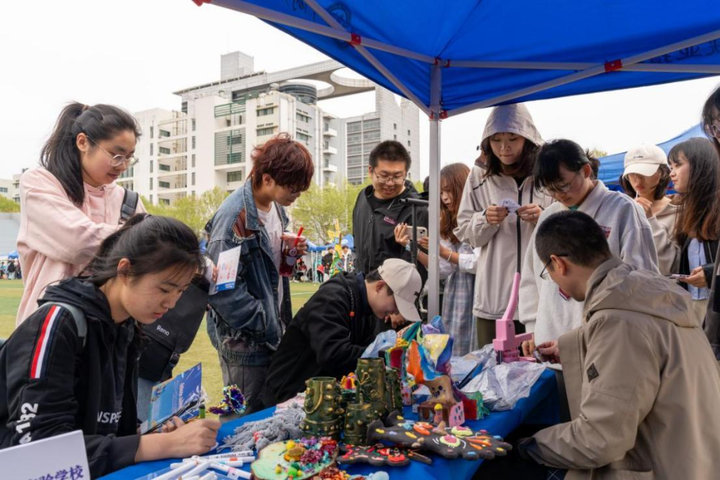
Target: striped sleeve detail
{"x":38,"y":366}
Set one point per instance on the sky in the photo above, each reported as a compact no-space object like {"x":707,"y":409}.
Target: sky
{"x":135,"y":53}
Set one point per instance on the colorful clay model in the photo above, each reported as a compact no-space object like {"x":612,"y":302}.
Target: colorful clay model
{"x":380,"y":455}
{"x":232,"y":403}
{"x":451,"y":442}
{"x":295,"y":459}
{"x":506,"y":343}
{"x":323,"y":408}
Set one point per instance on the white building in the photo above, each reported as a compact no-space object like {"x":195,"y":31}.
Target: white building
{"x":209,"y":142}
{"x":11,"y":188}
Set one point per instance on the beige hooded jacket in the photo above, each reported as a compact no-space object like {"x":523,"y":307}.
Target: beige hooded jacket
{"x":642,"y":383}
{"x":503,"y":246}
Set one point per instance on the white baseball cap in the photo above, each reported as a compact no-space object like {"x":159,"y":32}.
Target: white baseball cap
{"x":644,"y":160}
{"x":404,"y":280}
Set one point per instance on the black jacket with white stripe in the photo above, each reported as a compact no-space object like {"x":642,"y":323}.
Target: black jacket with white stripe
{"x":51,"y":384}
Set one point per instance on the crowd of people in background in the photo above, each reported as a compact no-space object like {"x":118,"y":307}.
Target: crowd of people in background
{"x":10,"y":270}
{"x":621,"y":288}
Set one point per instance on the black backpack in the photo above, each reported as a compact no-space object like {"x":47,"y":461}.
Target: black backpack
{"x":173,"y":334}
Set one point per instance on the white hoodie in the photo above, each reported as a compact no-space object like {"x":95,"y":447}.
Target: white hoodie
{"x":502,"y":246}
{"x":543,"y":309}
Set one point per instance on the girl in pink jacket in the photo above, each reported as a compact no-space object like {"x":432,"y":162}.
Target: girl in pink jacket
{"x":71,"y":203}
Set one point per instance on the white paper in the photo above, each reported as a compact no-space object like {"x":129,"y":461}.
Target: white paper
{"x":510,"y":204}
{"x":227,"y":270}
{"x":47,"y":458}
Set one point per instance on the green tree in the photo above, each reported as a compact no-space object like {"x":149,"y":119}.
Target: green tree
{"x":318,"y":208}
{"x":193,"y":211}
{"x":8,"y":206}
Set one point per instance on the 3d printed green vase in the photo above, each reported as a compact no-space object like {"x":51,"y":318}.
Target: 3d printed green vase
{"x":393,"y":394}
{"x":357,"y":418}
{"x":371,"y":388}
{"x":323,"y":410}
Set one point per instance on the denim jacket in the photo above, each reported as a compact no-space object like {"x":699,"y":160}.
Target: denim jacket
{"x":249,"y":313}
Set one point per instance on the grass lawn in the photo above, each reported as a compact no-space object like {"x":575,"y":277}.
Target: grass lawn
{"x":201,"y":350}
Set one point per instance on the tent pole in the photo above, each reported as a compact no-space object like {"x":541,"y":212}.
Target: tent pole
{"x":434,"y":208}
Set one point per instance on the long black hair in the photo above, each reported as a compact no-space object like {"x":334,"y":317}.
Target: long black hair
{"x":60,"y":155}
{"x":699,"y":215}
{"x":151,"y":244}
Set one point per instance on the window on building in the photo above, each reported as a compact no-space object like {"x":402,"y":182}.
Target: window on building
{"x":394,"y":126}
{"x":151,"y":184}
{"x":163,"y":150}
{"x":193,"y":141}
{"x":164,"y":184}
{"x":235,"y":176}
{"x":193,"y":160}
{"x":265,"y":131}
{"x":151,"y":166}
{"x":408,"y":132}
{"x":354,"y":127}
{"x":152,"y":131}
{"x":302,"y":117}
{"x":163,"y":167}
{"x":302,"y":137}
{"x":354,"y":138}
{"x":183,"y":107}
{"x":151,"y":198}
{"x":261,"y":112}
{"x":408,"y":143}
{"x":3,"y":190}
{"x":192,"y":180}
{"x":394,"y":137}
{"x":236,"y":157}
{"x":165,"y":201}
{"x":371,"y":124}
{"x":151,"y":148}
{"x":192,"y":123}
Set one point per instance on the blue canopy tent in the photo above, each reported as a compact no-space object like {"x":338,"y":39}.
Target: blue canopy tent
{"x":611,"y":166}
{"x":13,"y":254}
{"x":453,"y":57}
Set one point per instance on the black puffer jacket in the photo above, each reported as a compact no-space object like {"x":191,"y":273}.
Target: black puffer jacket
{"x":324,"y":338}
{"x":374,"y":229}
{"x":50,"y":384}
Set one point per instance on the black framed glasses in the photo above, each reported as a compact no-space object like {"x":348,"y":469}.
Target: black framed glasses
{"x":544,"y":272}
{"x":116,"y":160}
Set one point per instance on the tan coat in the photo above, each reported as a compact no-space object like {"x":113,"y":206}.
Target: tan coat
{"x":668,"y":251}
{"x":643,"y":385}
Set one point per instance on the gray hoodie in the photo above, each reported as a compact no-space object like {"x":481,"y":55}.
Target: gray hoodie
{"x":503,"y":246}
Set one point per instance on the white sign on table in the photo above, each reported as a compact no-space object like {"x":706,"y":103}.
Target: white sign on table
{"x":62,"y":456}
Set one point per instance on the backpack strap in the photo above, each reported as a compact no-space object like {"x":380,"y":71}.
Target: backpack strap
{"x":129,"y":205}
{"x":78,"y":316}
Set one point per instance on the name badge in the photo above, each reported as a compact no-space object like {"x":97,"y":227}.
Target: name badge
{"x":389,"y":220}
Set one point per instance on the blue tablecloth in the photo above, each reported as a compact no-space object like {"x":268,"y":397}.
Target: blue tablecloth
{"x":538,"y":408}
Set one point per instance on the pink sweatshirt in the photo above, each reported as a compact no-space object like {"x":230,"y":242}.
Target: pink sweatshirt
{"x":56,"y":238}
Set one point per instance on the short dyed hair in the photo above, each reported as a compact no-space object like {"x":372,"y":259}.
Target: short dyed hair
{"x":287,"y":161}
{"x":574,"y":235}
{"x":561,"y":151}
{"x":391,"y":151}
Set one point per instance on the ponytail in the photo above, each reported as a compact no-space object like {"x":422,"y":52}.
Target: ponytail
{"x":60,"y":155}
